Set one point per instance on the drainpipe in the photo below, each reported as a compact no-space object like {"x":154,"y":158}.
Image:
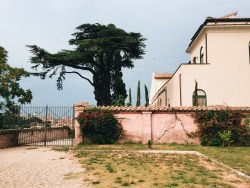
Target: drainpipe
{"x":180,"y":89}
{"x":206,"y":46}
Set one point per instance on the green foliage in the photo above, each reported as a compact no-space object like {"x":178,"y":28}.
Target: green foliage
{"x":118,"y":88}
{"x":149,"y":144}
{"x":119,"y":102}
{"x":146,"y":95}
{"x":99,"y":126}
{"x":102,"y":50}
{"x":138,"y":102}
{"x":217,"y":128}
{"x":10,"y":91}
{"x":225,"y":137}
{"x":110,"y":168}
{"x":247,"y":120}
{"x":129,"y":98}
{"x":9,"y":83}
{"x":195,"y":100}
{"x":9,"y":118}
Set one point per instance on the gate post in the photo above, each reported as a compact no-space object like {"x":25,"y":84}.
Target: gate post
{"x":78,"y":109}
{"x":78,"y":136}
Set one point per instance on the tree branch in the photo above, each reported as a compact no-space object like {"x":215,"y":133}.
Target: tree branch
{"x":80,"y":76}
{"x":81,"y":68}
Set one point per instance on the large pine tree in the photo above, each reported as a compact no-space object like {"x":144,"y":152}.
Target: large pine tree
{"x":102,"y":50}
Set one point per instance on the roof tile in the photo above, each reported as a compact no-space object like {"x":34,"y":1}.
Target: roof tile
{"x":80,"y":107}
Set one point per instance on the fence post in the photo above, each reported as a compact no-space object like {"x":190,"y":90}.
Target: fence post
{"x":45,"y":128}
{"x":73,"y":126}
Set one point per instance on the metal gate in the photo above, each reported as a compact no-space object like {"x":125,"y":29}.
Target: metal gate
{"x":41,"y":126}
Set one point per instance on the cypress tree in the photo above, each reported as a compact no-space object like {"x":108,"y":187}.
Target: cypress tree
{"x":195,"y":103}
{"x":138,"y":102}
{"x":146,"y":95}
{"x":130,"y":97}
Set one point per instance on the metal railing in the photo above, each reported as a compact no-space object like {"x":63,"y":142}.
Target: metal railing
{"x":35,"y":125}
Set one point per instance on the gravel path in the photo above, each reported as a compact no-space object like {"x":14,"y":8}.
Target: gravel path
{"x":35,"y":167}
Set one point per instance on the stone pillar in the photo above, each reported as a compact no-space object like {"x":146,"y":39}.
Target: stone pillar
{"x":78,"y":137}
{"x":146,"y":127}
{"x":78,"y":109}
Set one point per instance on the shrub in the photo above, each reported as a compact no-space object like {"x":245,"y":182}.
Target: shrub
{"x":99,"y":126}
{"x":217,"y":127}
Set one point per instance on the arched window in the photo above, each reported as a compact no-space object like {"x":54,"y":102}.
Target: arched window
{"x":199,"y":99}
{"x":201,"y":56}
{"x":194,"y":60}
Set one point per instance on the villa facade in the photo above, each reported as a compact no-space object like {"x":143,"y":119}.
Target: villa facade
{"x":219,"y":64}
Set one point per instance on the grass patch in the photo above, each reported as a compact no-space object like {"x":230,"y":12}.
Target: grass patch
{"x":73,"y":175}
{"x":132,"y":169}
{"x":110,"y":168}
{"x":62,"y":148}
{"x":31,"y":148}
{"x":227,"y":155}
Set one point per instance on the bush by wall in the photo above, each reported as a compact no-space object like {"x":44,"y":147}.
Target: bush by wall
{"x":99,"y":126}
{"x":222,"y":128}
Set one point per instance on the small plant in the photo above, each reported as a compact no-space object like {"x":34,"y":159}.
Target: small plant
{"x":247,"y":120}
{"x":96,"y":182}
{"x":110,"y":168}
{"x":149,"y":144}
{"x":225,"y":136}
{"x":118,"y":180}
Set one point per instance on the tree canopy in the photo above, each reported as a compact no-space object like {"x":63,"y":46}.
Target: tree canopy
{"x":10,"y":90}
{"x":102,"y":50}
{"x":11,"y":94}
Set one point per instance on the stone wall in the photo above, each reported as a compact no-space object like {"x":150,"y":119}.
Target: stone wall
{"x":8,"y":138}
{"x":140,"y":124}
{"x":159,"y":127}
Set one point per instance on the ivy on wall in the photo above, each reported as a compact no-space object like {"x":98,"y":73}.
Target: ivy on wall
{"x":223,"y":128}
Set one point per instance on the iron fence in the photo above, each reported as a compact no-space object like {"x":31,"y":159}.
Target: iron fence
{"x":36,"y":125}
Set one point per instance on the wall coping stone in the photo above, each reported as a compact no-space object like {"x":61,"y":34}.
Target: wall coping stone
{"x":80,"y":107}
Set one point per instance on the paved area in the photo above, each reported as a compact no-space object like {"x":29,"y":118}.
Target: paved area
{"x":35,"y":167}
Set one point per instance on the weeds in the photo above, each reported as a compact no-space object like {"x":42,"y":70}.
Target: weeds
{"x":63,"y":148}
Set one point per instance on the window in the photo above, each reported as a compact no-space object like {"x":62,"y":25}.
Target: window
{"x":194,"y":60}
{"x":199,"y":99}
{"x":166,"y":97}
{"x":249,"y":51}
{"x":201,"y":56}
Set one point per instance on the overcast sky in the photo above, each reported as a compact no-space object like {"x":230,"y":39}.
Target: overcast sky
{"x":168,"y":26}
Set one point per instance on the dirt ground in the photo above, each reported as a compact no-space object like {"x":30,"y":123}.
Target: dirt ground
{"x":35,"y":167}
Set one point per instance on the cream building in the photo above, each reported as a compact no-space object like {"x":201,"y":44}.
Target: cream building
{"x":219,"y":62}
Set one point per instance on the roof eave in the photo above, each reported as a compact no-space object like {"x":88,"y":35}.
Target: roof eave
{"x":213,"y":20}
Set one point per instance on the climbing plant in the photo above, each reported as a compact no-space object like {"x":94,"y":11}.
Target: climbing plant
{"x":222,"y":127}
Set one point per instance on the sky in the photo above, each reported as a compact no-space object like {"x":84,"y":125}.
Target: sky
{"x":168,"y":26}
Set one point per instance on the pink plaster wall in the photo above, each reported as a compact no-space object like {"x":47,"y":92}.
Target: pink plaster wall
{"x":170,"y":127}
{"x":132,"y":124}
{"x":159,"y":127}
